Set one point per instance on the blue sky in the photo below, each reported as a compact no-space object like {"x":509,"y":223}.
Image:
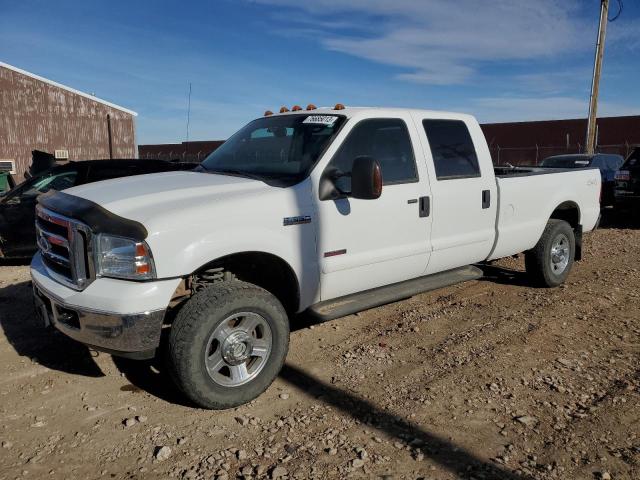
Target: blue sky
{"x":502,"y":60}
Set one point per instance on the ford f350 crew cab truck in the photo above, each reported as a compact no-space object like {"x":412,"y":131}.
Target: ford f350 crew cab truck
{"x":328,"y":211}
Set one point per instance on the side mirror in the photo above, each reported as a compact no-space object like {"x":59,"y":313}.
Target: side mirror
{"x":366,"y":179}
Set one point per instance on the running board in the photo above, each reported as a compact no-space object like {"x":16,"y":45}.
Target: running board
{"x":357,"y":302}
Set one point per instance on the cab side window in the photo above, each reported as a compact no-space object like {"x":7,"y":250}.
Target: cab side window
{"x":454,"y":155}
{"x":385,"y":140}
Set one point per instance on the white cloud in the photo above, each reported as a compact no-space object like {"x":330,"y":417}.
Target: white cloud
{"x":439,"y":41}
{"x":517,"y":109}
{"x":624,"y":34}
{"x":555,"y":82}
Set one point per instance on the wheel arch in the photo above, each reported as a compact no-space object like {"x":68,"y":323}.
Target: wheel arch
{"x":266,"y":270}
{"x":569,"y":211}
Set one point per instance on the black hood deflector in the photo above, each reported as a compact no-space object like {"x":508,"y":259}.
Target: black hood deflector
{"x":93,"y":215}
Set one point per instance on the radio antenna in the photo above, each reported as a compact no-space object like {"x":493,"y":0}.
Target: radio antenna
{"x":186,"y":145}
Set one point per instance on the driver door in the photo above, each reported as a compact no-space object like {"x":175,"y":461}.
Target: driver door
{"x":365,"y":244}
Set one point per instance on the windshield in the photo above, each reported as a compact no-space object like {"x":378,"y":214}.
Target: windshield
{"x":51,"y":180}
{"x":567,"y":161}
{"x":283,"y":149}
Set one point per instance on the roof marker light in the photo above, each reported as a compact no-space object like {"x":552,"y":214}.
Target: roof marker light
{"x":284,"y":109}
{"x":268,"y":113}
{"x":339,"y":106}
{"x":311,"y":106}
{"x":296,"y":108}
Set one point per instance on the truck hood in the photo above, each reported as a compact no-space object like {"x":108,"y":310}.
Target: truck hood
{"x":191,"y":218}
{"x":144,"y":198}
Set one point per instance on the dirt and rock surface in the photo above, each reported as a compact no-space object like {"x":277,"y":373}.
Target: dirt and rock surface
{"x":488,"y":379}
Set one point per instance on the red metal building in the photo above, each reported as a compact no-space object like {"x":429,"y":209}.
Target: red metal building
{"x":39,"y":114}
{"x":195,"y":151}
{"x":527,"y":143}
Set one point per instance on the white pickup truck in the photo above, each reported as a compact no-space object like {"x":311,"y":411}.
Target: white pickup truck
{"x":327,"y":211}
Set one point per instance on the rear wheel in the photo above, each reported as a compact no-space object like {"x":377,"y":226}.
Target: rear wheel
{"x":548,"y":263}
{"x":227,"y":344}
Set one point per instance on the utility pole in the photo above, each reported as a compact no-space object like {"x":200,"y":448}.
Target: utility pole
{"x":595,"y":81}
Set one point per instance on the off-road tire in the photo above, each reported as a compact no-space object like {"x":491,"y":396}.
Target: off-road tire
{"x":538,"y":259}
{"x":191,"y":331}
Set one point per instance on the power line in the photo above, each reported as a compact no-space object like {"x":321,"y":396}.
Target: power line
{"x":620,"y":7}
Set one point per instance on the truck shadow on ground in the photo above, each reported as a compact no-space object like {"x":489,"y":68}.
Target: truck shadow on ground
{"x":43,"y":346}
{"x":151,"y":377}
{"x":504,"y":276}
{"x":448,"y":455}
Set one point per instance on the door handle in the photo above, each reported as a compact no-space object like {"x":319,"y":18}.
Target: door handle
{"x":425,"y":206}
{"x":486,"y":198}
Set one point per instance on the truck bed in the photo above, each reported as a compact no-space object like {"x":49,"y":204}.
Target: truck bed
{"x":527,"y":197}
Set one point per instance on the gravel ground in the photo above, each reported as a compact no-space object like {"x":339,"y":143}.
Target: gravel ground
{"x":487,"y":379}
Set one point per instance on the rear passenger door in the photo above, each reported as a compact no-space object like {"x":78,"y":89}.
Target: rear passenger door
{"x":463,"y":188}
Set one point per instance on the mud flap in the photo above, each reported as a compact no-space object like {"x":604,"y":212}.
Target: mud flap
{"x":577,"y":232}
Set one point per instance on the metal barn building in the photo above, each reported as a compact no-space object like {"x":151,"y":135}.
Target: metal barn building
{"x":39,"y":114}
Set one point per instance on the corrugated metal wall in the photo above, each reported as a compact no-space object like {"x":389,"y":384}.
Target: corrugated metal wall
{"x":35,"y":115}
{"x":194,"y":151}
{"x":528,"y":143}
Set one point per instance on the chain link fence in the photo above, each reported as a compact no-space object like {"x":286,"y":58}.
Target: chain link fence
{"x":534,"y":155}
{"x":192,"y":157}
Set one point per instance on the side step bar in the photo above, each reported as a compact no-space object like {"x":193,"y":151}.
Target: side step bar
{"x":357,"y":302}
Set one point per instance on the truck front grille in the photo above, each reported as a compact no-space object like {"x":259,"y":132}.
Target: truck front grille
{"x":65,"y":246}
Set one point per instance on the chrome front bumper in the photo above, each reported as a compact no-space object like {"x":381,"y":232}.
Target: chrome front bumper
{"x":133,"y":336}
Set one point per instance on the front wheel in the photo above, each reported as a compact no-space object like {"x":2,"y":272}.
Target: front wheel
{"x":548,"y":263}
{"x":227,"y":344}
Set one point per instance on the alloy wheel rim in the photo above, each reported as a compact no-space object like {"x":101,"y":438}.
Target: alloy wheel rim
{"x":559,"y":254}
{"x":238,"y":349}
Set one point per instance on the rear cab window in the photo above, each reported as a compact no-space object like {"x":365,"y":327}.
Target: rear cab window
{"x":453,"y":152}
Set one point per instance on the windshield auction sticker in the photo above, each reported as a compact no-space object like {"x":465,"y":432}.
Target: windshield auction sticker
{"x":327,"y":120}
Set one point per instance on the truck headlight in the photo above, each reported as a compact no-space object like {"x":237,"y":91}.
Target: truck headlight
{"x":121,"y":257}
